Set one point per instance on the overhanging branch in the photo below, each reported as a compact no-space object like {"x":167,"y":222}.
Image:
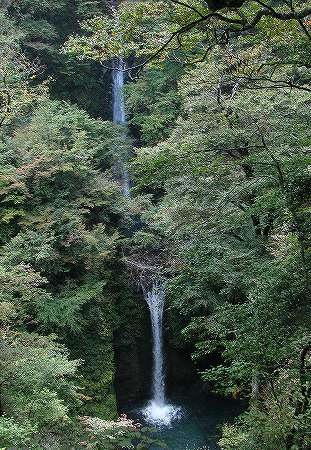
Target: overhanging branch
{"x":267,"y":11}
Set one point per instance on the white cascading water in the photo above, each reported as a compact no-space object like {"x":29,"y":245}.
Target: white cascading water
{"x":155,"y":300}
{"x":158,"y":412}
{"x":118,"y":112}
{"x":118,"y":115}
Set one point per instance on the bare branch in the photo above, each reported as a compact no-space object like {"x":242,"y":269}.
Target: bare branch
{"x":275,"y":83}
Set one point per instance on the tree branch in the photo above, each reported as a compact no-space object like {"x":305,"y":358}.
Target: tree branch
{"x":267,"y":11}
{"x":274,"y":83}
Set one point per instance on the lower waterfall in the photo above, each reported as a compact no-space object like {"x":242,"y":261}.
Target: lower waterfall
{"x":158,"y":411}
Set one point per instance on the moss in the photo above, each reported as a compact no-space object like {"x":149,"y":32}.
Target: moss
{"x":132,"y":344}
{"x":95,"y":347}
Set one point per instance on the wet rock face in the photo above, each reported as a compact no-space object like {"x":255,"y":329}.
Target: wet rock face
{"x":133,"y":355}
{"x":133,"y":371}
{"x":181,"y":372}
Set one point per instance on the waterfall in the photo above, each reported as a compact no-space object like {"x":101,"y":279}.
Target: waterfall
{"x":118,"y":113}
{"x":155,"y":300}
{"x":118,"y":116}
{"x":158,"y":412}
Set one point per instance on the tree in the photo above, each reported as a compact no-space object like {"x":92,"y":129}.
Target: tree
{"x":235,"y":223}
{"x":62,"y":216}
{"x":183,"y":30}
{"x":36,"y":381}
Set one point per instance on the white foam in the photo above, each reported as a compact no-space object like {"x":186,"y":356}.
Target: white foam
{"x":161,"y":414}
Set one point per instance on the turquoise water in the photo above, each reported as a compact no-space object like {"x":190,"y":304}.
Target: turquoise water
{"x":199,"y":425}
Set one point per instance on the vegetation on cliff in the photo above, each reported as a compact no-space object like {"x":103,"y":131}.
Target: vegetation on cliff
{"x":218,"y":104}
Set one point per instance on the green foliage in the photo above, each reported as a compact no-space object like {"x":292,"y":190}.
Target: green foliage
{"x":17,"y":96}
{"x":182,"y":31}
{"x":12,"y":433}
{"x":118,"y":34}
{"x":36,"y":379}
{"x":118,"y":434}
{"x":222,"y":204}
{"x":41,"y":28}
{"x":233,"y":217}
{"x":61,"y":217}
{"x":153,"y":103}
{"x":56,"y":259}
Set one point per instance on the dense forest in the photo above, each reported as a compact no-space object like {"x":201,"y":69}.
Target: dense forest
{"x":217,"y":149}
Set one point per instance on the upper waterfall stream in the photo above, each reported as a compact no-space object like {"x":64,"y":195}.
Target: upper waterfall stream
{"x":118,"y":112}
{"x":118,"y":116}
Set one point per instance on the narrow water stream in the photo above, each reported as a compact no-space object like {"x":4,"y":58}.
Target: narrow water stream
{"x":159,"y":411}
{"x":118,"y":116}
